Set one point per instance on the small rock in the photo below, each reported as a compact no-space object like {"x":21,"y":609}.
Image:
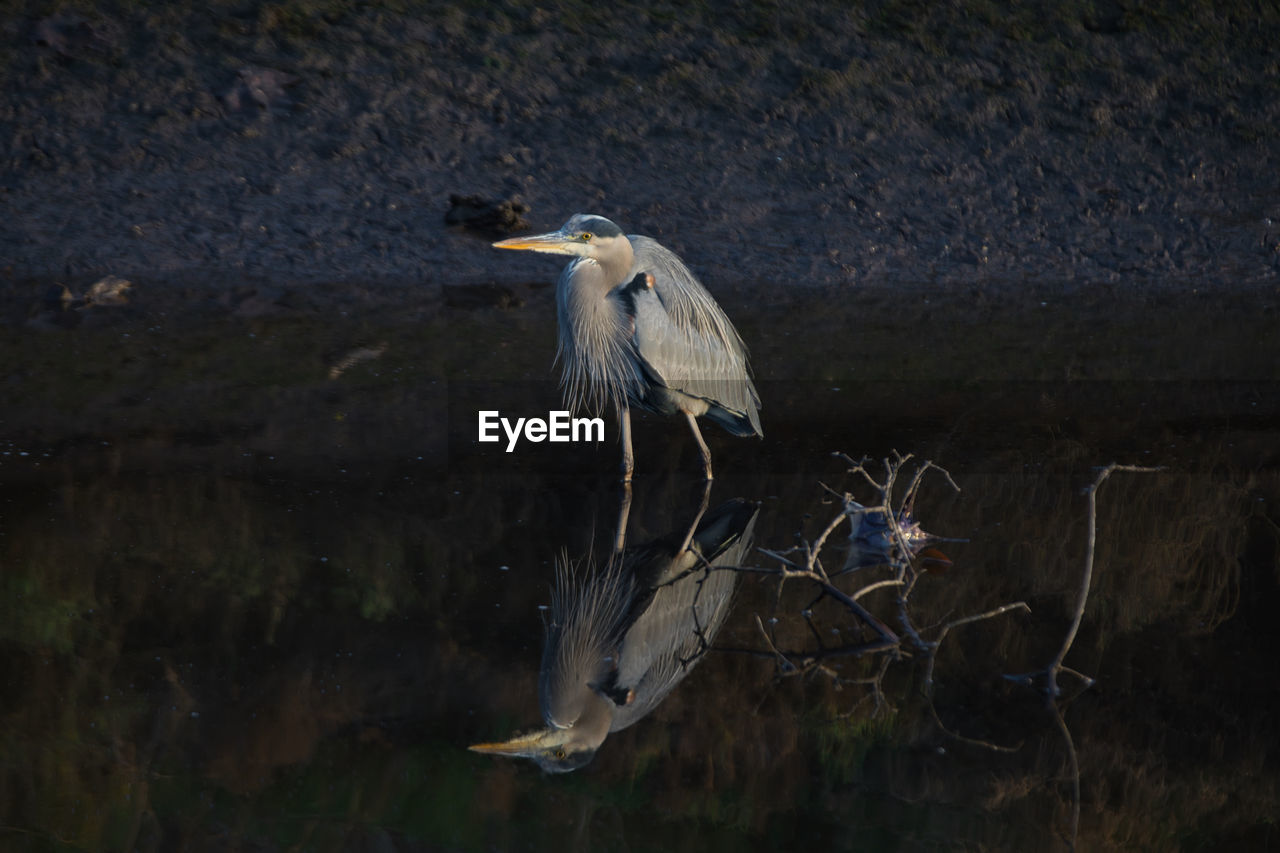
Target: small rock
{"x":259,"y":87}
{"x":354,"y":357}
{"x":70,"y":36}
{"x":493,"y":217}
{"x":109,"y":291}
{"x":57,"y":297}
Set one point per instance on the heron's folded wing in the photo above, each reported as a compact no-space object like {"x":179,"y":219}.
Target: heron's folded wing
{"x":668,"y":640}
{"x":684,"y":339}
{"x":685,"y":613}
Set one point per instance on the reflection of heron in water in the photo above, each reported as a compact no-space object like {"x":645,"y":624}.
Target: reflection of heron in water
{"x":621,"y":638}
{"x":637,"y":328}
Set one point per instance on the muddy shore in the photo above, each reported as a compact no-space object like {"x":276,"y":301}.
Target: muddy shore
{"x":893,"y":143}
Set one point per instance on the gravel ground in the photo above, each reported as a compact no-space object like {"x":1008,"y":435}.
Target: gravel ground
{"x":891,"y":143}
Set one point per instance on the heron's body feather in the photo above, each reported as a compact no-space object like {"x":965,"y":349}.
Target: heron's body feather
{"x":686,"y":344}
{"x":665,"y":349}
{"x":638,"y":329}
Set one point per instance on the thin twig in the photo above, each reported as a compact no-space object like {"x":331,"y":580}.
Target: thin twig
{"x":904,"y":619}
{"x":822,"y":539}
{"x":781,"y":658}
{"x":955,"y":623}
{"x":1075,"y":774}
{"x":859,"y":467}
{"x":1088,"y":680}
{"x":781,"y":559}
{"x":1086,"y":579}
{"x":838,"y":594}
{"x":972,"y":741}
{"x":877,"y":585}
{"x":842,"y":496}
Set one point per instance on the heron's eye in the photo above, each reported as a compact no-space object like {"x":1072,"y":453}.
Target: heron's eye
{"x":586,"y":236}
{"x":560,"y":754}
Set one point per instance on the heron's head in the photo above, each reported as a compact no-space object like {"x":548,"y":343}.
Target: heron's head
{"x":555,"y":750}
{"x":585,"y":235}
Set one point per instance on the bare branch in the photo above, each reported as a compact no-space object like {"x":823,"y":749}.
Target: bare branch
{"x":830,"y":528}
{"x":1086,"y":579}
{"x":782,"y":659}
{"x":872,"y":587}
{"x":971,"y":741}
{"x":904,"y":619}
{"x":1074,"y":764}
{"x":955,"y":623}
{"x":858,"y":467}
{"x":781,"y":559}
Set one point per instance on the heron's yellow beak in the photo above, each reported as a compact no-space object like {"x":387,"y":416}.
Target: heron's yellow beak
{"x":555,"y":243}
{"x":522,"y":746}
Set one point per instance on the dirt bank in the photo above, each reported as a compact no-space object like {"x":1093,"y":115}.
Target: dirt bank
{"x":891,"y":143}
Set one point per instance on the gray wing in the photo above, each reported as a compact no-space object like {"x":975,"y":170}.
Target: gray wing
{"x":684,"y":339}
{"x":669,"y":638}
{"x":686,"y":612}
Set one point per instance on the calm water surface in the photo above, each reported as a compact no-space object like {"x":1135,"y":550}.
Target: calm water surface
{"x":248,"y":604}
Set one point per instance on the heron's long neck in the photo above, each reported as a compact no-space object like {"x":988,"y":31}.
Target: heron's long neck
{"x":594,"y":334}
{"x":616,"y":268}
{"x":590,"y":729}
{"x":583,"y":298}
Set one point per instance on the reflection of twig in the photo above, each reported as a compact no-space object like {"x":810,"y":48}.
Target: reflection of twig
{"x":792,"y":570}
{"x":985,"y":744}
{"x":877,"y":687}
{"x":783,"y":661}
{"x":933,"y":655}
{"x":955,"y":623}
{"x":699,"y":631}
{"x":1075,"y":772}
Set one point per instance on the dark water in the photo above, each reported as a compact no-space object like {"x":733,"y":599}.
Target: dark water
{"x":249,"y":604}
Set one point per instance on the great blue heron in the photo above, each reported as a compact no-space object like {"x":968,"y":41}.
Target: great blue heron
{"x":621,"y":638}
{"x":638,"y":329}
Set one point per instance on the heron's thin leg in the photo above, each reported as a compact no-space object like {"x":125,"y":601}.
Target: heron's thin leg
{"x":697,"y":519}
{"x":624,"y":513}
{"x":628,"y":457}
{"x":702,"y":445}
